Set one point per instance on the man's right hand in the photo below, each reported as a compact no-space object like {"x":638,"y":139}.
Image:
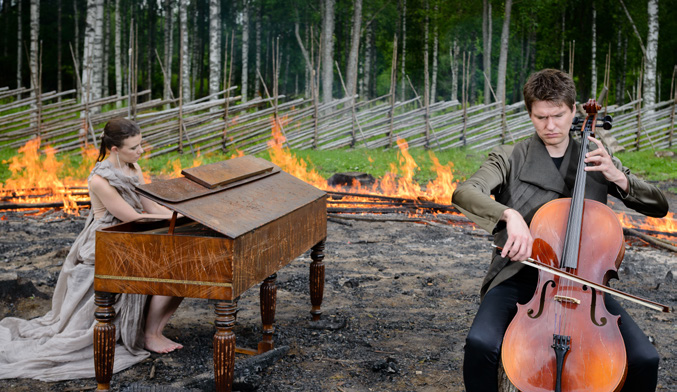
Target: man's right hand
{"x":519,"y":243}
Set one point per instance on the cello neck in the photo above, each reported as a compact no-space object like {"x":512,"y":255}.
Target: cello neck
{"x":573,"y":233}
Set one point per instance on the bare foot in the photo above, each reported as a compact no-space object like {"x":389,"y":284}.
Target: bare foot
{"x":178,"y":346}
{"x":160,"y":344}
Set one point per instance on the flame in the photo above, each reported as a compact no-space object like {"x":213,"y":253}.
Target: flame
{"x":668,"y":224}
{"x":37,"y":180}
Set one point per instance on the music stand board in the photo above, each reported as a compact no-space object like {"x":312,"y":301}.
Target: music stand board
{"x":243,"y":220}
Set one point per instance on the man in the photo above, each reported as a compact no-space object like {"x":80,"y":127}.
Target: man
{"x":523,"y":177}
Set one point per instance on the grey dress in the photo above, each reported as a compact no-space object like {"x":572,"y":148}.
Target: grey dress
{"x":59,"y":345}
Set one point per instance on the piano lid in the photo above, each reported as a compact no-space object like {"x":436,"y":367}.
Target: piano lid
{"x":245,"y":194}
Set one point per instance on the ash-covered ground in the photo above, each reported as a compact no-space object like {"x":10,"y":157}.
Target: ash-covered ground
{"x":407,"y":293}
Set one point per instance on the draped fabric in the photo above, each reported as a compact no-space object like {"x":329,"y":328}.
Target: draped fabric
{"x":59,"y":345}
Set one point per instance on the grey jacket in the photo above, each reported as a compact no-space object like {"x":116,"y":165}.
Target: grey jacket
{"x":523,"y":177}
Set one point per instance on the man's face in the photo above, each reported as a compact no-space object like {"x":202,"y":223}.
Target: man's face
{"x":552,"y":122}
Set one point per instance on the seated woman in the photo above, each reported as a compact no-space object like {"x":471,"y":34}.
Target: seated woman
{"x":59,"y":345}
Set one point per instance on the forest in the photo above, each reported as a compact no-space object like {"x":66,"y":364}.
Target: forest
{"x":350,"y":45}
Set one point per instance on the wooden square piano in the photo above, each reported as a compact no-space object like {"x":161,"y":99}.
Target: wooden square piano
{"x":242,"y":220}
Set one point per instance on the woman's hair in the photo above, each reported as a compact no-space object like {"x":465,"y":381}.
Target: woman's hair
{"x":114,"y":135}
{"x":549,"y":85}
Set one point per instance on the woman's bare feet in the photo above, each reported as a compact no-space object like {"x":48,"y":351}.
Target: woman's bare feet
{"x":159,"y":311}
{"x":160,"y":344}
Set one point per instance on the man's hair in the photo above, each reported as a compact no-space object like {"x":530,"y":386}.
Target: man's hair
{"x":550,"y":85}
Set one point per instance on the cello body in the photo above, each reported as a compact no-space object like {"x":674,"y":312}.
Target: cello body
{"x":596,"y":361}
{"x":564,"y":339}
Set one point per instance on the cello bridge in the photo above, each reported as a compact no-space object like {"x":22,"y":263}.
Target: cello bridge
{"x":562,"y":298}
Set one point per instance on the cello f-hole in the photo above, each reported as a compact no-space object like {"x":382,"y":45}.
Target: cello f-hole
{"x":530,"y":312}
{"x":593,"y":307}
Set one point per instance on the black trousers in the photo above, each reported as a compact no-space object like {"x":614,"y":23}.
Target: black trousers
{"x":483,"y":344}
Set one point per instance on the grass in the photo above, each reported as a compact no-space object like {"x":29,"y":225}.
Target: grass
{"x":377,"y":162}
{"x":648,"y":166}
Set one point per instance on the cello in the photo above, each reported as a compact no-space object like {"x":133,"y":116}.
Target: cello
{"x":564,"y":339}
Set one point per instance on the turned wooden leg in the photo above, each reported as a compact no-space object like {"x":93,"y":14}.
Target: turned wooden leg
{"x":224,"y":345}
{"x":317,"y":280}
{"x":268,"y":296}
{"x":104,"y":339}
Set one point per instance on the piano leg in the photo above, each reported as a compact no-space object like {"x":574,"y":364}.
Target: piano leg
{"x":224,"y":345}
{"x":317,"y":280}
{"x":104,"y":339}
{"x":268,"y":296}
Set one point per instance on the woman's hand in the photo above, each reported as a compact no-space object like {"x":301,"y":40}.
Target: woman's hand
{"x":519,"y":243}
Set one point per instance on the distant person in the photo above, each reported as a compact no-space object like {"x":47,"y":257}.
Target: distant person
{"x":59,"y":345}
{"x":522,"y":178}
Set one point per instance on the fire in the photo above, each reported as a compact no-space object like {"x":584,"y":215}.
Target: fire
{"x":665,"y":225}
{"x":37,"y":180}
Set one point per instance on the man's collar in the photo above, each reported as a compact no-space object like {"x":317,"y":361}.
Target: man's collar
{"x":540,"y":170}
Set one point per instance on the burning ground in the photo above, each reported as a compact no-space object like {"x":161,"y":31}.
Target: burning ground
{"x":407,"y":293}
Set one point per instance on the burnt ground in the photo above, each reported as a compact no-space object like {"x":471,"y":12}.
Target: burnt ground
{"x":407,"y":293}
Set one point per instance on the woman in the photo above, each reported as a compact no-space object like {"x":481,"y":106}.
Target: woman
{"x":59,"y":345}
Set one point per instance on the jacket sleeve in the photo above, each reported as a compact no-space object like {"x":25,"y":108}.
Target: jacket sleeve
{"x":641,"y":196}
{"x":472,"y":197}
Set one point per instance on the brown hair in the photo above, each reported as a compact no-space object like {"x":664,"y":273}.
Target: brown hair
{"x":549,"y":85}
{"x":114,"y":134}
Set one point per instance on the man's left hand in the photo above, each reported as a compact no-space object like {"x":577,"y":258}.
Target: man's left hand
{"x":600,"y":161}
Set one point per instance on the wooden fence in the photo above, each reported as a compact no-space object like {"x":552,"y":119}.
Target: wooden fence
{"x":219,"y":122}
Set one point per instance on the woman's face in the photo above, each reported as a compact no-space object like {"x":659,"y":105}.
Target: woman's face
{"x":131,"y":149}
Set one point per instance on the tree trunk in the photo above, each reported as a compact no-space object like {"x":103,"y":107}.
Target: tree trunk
{"x":404,"y":48}
{"x":503,"y":57}
{"x":622,"y":61}
{"x":6,"y":7}
{"x":106,"y":50}
{"x":245,"y":48}
{"x":19,"y":46}
{"x":561,"y":50}
{"x":486,"y":56}
{"x":214,"y":46}
{"x":35,"y":47}
{"x":593,"y":68}
{"x":169,"y":46}
{"x":453,"y":56}
{"x":328,"y":50}
{"x":88,"y":52}
{"x":185,"y":58}
{"x":97,"y":54}
{"x":351,"y":73}
{"x":433,"y":86}
{"x":118,"y":54}
{"x":368,"y":60}
{"x":59,"y":49}
{"x":257,"y":82}
{"x":649,"y":83}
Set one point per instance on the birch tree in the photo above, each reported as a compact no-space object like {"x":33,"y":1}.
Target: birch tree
{"x":169,"y":45}
{"x":245,"y":48}
{"x":433,"y":84}
{"x":368,"y":60}
{"x":185,"y":56}
{"x":19,"y":47}
{"x":649,"y":82}
{"x":593,"y":67}
{"x":351,"y":73}
{"x":106,"y":50}
{"x":404,"y":47}
{"x":328,"y":50}
{"x":58,"y":47}
{"x":33,"y":55}
{"x":35,"y":44}
{"x":214,"y":46}
{"x":503,"y":57}
{"x":91,"y":59}
{"x":118,"y":53}
{"x":453,"y":56}
{"x":486,"y":57}
{"x":257,"y":82}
